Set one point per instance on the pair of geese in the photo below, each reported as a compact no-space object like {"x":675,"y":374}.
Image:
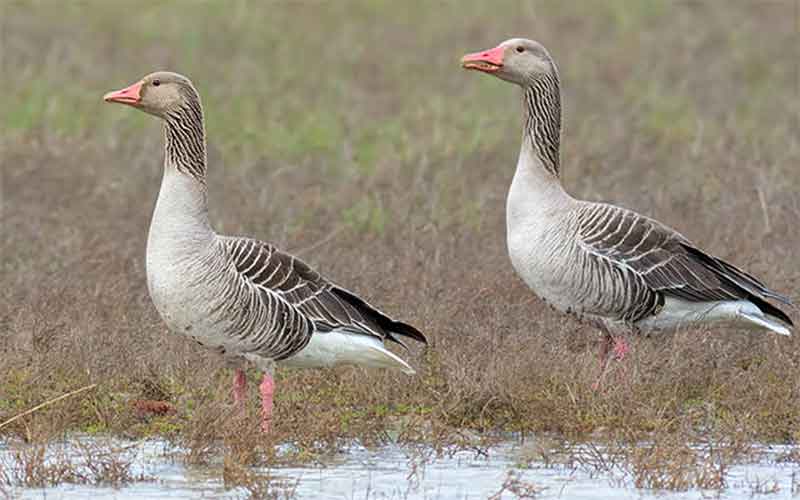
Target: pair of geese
{"x":620,"y":270}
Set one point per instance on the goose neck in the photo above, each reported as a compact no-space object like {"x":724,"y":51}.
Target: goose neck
{"x":541,"y":102}
{"x":182,"y":208}
{"x":185,"y":140}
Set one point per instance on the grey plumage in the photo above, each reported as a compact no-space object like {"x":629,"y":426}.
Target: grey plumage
{"x":241,"y":296}
{"x":640,"y":261}
{"x":601,"y":262}
{"x":287,"y":302}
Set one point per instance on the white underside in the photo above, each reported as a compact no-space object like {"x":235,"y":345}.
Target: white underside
{"x":678,"y":314}
{"x":344,"y":348}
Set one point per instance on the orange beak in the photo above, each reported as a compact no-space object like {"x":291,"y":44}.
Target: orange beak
{"x":128,"y":95}
{"x":487,"y":61}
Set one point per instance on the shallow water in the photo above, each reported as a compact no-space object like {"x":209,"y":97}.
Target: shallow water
{"x":392,"y":473}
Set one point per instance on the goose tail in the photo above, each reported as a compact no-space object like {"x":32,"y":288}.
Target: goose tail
{"x":764,"y":321}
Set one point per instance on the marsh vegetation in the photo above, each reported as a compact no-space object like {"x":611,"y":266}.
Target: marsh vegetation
{"x":347,"y":133}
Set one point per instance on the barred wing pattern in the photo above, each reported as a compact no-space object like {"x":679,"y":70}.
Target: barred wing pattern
{"x":637,"y":262}
{"x":298,"y":302}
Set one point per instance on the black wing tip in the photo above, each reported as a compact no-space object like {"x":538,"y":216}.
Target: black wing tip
{"x":406,"y":330}
{"x":390,"y":326}
{"x":753,"y":289}
{"x":734,"y":276}
{"x":770,"y":310}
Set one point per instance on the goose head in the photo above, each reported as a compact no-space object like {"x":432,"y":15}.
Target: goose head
{"x":517,"y":60}
{"x":157,"y":93}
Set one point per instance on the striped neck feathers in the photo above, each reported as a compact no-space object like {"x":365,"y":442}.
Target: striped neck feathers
{"x":542,"y":133}
{"x":185,"y":145}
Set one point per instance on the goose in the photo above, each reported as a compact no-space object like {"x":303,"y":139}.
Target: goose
{"x":611,"y":267}
{"x":239,"y":296}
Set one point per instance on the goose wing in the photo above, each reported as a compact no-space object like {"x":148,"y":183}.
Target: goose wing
{"x":297,"y":286}
{"x":654,"y":261}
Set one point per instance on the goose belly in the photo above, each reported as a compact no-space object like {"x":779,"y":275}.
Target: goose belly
{"x":206,"y":301}
{"x":190,"y":299}
{"x":180,"y":304}
{"x":545,"y":269}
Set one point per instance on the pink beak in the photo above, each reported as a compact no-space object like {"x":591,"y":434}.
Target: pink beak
{"x":128,"y":95}
{"x":487,"y":61}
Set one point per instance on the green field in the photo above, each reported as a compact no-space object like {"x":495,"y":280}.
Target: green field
{"x":346,"y":131}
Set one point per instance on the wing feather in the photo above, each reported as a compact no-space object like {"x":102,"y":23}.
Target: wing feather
{"x":297,"y":286}
{"x":665,"y":261}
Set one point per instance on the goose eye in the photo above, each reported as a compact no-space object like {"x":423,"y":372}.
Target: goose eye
{"x":520,"y":49}
{"x":156,"y":83}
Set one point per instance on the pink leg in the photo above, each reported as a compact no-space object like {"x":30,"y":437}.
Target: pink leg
{"x":610,"y":347}
{"x":267,"y":389}
{"x":240,"y":390}
{"x":621,"y":348}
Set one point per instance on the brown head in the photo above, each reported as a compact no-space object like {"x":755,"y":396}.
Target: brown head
{"x":516,"y":60}
{"x":173,"y":98}
{"x":157,"y":93}
{"x":529,"y":65}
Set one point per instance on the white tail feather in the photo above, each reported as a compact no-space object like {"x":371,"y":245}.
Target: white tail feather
{"x":678,"y":313}
{"x":765,"y":322}
{"x":340,"y":347}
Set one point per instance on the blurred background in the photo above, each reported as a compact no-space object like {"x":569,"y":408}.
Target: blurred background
{"x":348,"y":133}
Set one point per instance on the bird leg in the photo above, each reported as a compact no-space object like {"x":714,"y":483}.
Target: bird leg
{"x":240,"y":390}
{"x":621,"y":348}
{"x":610,"y":347}
{"x":267,"y":389}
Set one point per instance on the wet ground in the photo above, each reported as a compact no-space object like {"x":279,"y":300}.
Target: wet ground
{"x":394,"y":473}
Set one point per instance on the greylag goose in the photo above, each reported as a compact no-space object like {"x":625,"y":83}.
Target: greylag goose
{"x":615,"y":268}
{"x":240,"y":296}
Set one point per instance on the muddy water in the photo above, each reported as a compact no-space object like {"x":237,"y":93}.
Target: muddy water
{"x":392,"y":473}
